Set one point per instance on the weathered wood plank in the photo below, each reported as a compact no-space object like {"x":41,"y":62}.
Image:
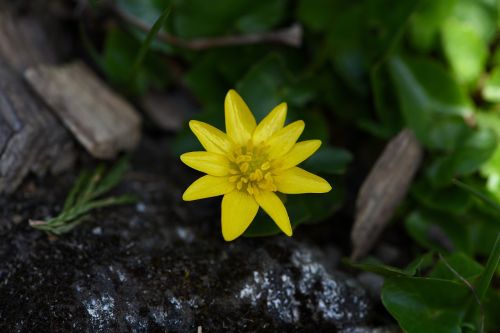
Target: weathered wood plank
{"x":24,"y":41}
{"x":31,"y":138}
{"x":169,"y":111}
{"x":103,"y":122}
{"x":384,"y":189}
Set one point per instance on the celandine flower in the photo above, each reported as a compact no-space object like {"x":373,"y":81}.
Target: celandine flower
{"x":249,"y":164}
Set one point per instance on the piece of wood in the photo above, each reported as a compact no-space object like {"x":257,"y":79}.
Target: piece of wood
{"x":31,"y":138}
{"x":170,"y":110}
{"x":24,"y":41}
{"x":103,"y":122}
{"x":384,"y":189}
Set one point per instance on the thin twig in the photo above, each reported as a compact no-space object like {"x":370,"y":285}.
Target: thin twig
{"x":291,"y":36}
{"x":470,"y":286}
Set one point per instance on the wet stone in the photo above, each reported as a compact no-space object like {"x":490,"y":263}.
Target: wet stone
{"x":162,"y":266}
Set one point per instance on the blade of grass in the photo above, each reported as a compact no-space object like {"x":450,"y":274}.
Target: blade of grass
{"x":82,"y":179}
{"x":112,"y":177}
{"x":147,"y":42}
{"x":489,"y":270}
{"x":94,"y":180}
{"x":477,"y":193}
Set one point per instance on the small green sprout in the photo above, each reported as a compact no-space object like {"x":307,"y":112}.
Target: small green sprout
{"x":84,"y":197}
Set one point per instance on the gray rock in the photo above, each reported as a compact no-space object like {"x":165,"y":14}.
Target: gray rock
{"x":162,"y":267}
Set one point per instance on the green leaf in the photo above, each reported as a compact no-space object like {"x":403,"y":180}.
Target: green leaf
{"x":489,"y":270}
{"x":477,"y":192}
{"x":425,"y":304}
{"x":472,"y":148}
{"x":449,"y":199}
{"x":491,"y":90}
{"x":426,"y":22}
{"x":119,"y":56}
{"x":141,"y":54}
{"x":263,"y":86}
{"x":390,"y":271}
{"x":200,"y":18}
{"x":304,"y":208}
{"x":385,"y":27}
{"x":147,"y":11}
{"x":439,"y":232}
{"x":384,"y":100}
{"x":328,"y":160}
{"x":465,"y":50}
{"x":491,"y":169}
{"x":317,"y":14}
{"x":463,"y":264}
{"x":426,"y":91}
{"x":480,"y":15}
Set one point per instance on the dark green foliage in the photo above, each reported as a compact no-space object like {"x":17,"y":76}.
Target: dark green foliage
{"x":366,"y":70}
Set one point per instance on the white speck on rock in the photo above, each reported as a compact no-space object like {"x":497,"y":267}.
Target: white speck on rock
{"x":185,"y":234}
{"x":140,"y":207}
{"x":97,"y":231}
{"x":276,"y":291}
{"x":101,"y":311}
{"x":159,"y":316}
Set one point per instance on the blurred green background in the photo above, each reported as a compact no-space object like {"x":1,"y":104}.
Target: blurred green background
{"x":365,"y":70}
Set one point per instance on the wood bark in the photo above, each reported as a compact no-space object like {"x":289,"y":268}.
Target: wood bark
{"x":31,"y":138}
{"x":384,"y":189}
{"x":103,"y":122}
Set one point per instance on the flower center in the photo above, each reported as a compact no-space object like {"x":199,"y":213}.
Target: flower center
{"x":251,"y":169}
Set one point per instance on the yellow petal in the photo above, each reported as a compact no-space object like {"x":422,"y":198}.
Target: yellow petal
{"x":206,"y":187}
{"x":211,"y":138}
{"x":209,"y":163}
{"x":299,"y":153}
{"x":240,"y":122}
{"x":274,"y":207}
{"x":297,"y":180}
{"x":238,"y":211}
{"x":284,"y":139}
{"x":273,"y":122}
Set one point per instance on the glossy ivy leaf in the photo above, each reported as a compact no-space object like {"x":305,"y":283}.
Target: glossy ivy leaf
{"x":463,"y":264}
{"x":480,"y":15}
{"x":317,"y":14}
{"x":306,"y":208}
{"x":118,"y":59}
{"x":491,"y":169}
{"x":269,"y":83}
{"x":426,"y":91}
{"x":438,"y":231}
{"x":385,"y":27}
{"x":345,"y":48}
{"x":465,"y":50}
{"x":147,"y":11}
{"x":426,"y":304}
{"x":491,"y":89}
{"x":445,"y":133}
{"x":473,"y":149}
{"x":472,"y":233}
{"x":264,"y":84}
{"x":328,"y":160}
{"x":426,"y":22}
{"x":200,"y":18}
{"x":376,"y":267}
{"x":384,"y":100}
{"x":451,"y":200}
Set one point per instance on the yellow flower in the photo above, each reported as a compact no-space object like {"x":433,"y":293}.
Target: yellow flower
{"x":249,"y":164}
